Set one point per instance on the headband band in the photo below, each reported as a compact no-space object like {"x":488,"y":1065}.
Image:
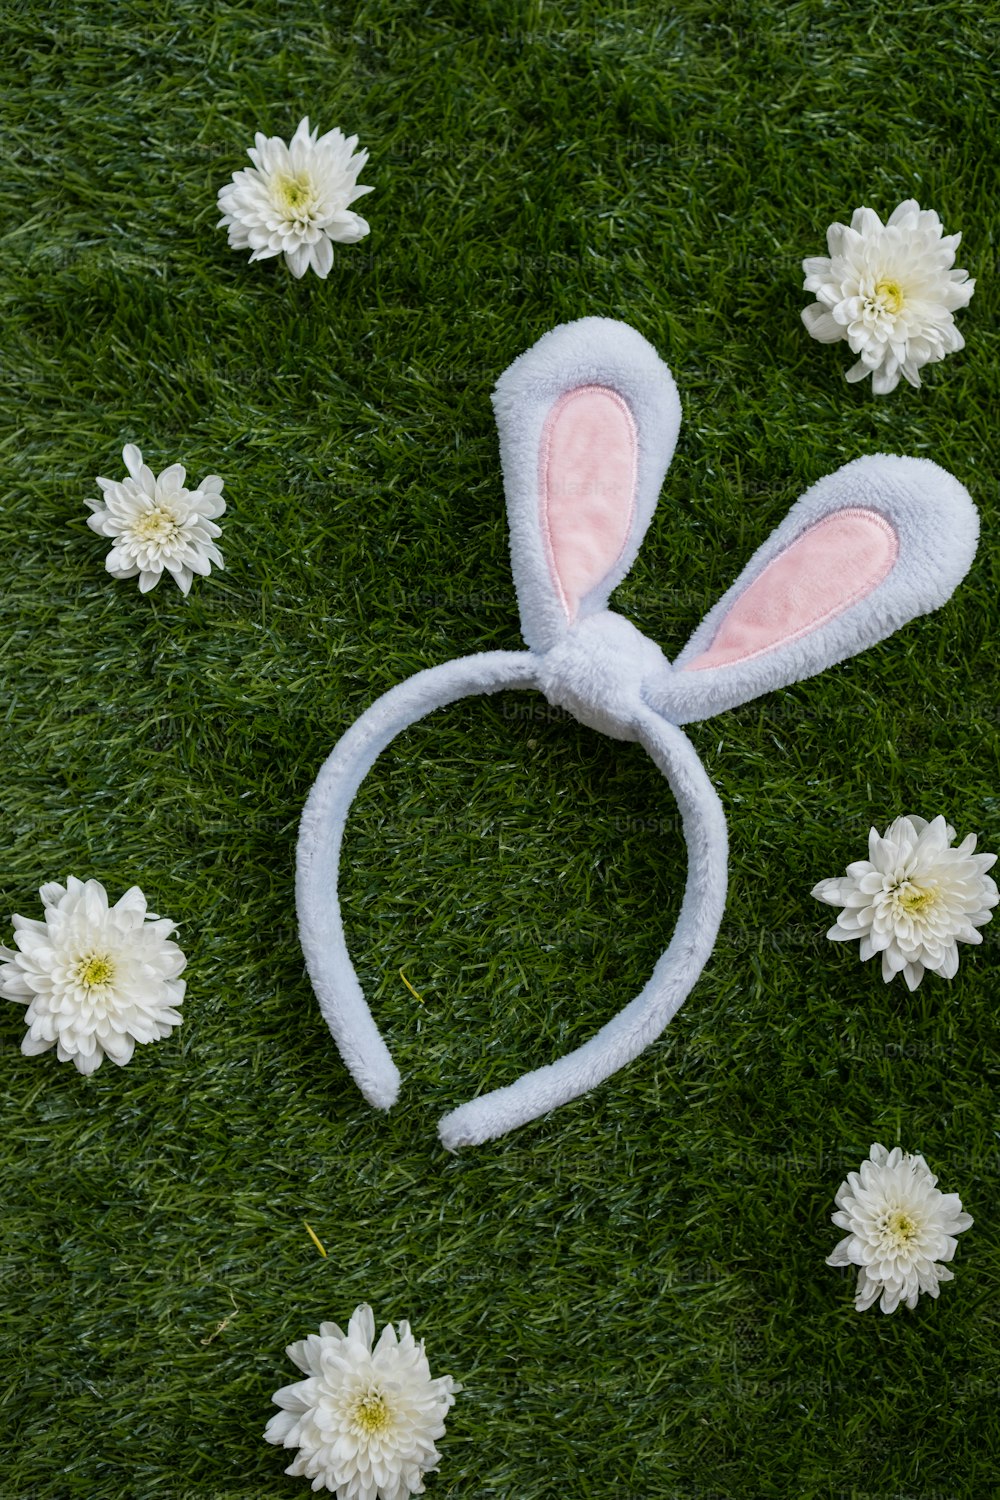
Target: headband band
{"x":588,"y":419}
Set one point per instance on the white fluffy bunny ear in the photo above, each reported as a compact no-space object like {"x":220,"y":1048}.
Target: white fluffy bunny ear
{"x":866,"y":549}
{"x":588,"y":418}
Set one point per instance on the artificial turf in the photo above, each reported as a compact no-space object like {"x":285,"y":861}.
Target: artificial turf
{"x":632,"y":1290}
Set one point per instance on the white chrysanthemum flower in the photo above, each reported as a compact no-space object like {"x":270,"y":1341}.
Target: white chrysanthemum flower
{"x":901,"y":1227}
{"x":96,"y":979}
{"x":157,"y":524}
{"x":294,"y":200}
{"x":890,"y":291}
{"x":914,"y":899}
{"x":364,"y":1420}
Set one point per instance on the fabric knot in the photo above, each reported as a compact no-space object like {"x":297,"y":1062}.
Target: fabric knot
{"x":597,"y":671}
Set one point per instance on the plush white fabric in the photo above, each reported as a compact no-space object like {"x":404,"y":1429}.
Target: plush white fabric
{"x":591,"y":351}
{"x":321,"y":832}
{"x":628,"y":1033}
{"x":937,"y":526}
{"x":608,"y":675}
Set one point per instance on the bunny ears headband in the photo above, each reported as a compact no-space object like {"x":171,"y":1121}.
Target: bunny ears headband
{"x":588,"y":418}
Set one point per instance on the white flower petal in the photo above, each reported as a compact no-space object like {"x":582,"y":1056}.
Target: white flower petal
{"x":865,"y":221}
{"x":89,"y":1062}
{"x":132,"y":457}
{"x":913,"y":973}
{"x":857,"y":372}
{"x":298,"y":259}
{"x":322,"y":258}
{"x":909,"y":209}
{"x":821,"y":324}
{"x":884,"y":381}
{"x":32,"y":1046}
{"x":172,"y":479}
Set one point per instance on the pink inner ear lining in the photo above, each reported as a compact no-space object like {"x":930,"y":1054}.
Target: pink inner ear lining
{"x":588,"y":467}
{"x":830,"y":566}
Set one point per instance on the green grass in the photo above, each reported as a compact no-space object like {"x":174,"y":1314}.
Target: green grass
{"x":632,"y":1291}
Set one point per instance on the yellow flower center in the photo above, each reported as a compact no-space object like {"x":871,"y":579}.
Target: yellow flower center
{"x":95,"y":970}
{"x":295,"y":195}
{"x":900,"y":1229}
{"x":371,"y":1413}
{"x":156,"y":525}
{"x":916,"y":900}
{"x":889,"y":295}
